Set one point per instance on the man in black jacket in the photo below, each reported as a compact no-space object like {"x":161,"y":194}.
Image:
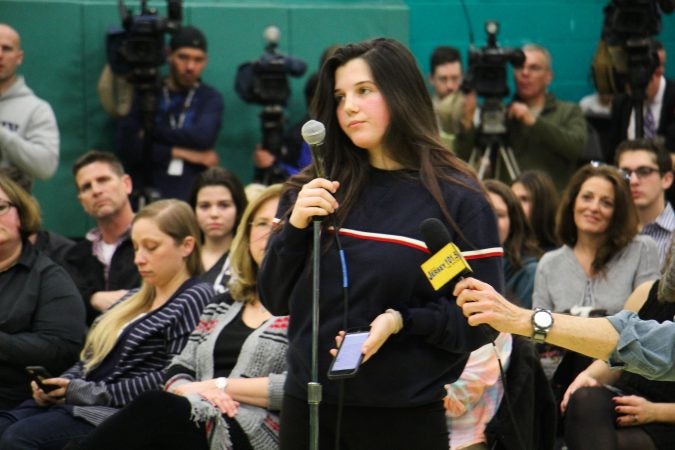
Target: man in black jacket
{"x":658,"y":111}
{"x":102,"y":264}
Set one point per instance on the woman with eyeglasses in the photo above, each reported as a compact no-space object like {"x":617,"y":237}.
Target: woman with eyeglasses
{"x":218,"y":200}
{"x":128,"y":347}
{"x":41,"y":312}
{"x":224,"y":390}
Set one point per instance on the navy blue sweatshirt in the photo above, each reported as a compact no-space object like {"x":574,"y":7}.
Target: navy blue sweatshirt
{"x":384,"y":250}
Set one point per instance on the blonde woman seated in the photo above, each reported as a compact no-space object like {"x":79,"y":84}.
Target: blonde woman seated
{"x":224,"y":390}
{"x":129,"y":347}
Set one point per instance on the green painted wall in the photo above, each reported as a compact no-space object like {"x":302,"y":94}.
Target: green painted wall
{"x":568,"y":28}
{"x":64,"y":45}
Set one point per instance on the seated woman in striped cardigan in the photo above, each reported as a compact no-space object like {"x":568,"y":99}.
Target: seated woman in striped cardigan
{"x":129,"y":347}
{"x":224,"y":390}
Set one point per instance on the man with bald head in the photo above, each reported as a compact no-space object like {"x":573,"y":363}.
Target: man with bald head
{"x":29,"y":136}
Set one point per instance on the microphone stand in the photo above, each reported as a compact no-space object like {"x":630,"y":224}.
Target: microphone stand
{"x":314,"y":387}
{"x":314,"y":132}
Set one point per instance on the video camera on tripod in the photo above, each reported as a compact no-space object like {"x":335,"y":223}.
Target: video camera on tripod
{"x":136,"y":51}
{"x":487,"y":77}
{"x":265,"y":82}
{"x":627,"y":55}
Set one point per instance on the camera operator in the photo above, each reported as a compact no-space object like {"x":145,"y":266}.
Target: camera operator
{"x":544,"y":132}
{"x":658,"y":109}
{"x":187,"y":122}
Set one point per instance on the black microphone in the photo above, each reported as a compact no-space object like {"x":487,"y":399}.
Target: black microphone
{"x":314,"y":132}
{"x":446,"y":261}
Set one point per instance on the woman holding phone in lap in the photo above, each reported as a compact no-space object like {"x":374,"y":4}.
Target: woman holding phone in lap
{"x":128,"y":348}
{"x":386,"y":172}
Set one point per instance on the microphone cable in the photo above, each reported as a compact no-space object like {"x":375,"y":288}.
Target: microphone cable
{"x":345,"y":324}
{"x":468,"y":22}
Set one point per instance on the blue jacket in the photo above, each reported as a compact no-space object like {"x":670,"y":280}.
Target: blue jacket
{"x":199,"y":132}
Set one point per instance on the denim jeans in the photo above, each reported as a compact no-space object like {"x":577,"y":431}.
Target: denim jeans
{"x":30,"y":427}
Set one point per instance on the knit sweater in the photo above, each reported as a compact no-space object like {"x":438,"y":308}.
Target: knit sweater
{"x":263,"y":354}
{"x":138,"y":361}
{"x":383,"y":253}
{"x":29,"y":136}
{"x":561,"y":283}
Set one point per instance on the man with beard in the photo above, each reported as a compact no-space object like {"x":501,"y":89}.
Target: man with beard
{"x":185,"y":127}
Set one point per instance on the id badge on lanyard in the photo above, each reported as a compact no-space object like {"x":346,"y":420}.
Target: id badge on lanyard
{"x":177,"y":165}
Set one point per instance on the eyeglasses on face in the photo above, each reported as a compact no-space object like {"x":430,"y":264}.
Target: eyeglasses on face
{"x":4,"y":206}
{"x":262,"y":224}
{"x":641,"y":172}
{"x":534,"y":68}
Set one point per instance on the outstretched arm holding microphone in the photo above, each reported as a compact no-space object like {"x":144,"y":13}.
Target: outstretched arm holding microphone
{"x":643,"y":347}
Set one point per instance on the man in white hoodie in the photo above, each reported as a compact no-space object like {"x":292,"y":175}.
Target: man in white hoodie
{"x":29,"y":136}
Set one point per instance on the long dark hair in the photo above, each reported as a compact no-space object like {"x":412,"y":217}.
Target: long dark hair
{"x":520,"y":241}
{"x":622,"y":227}
{"x":218,"y":176}
{"x":544,"y":201}
{"x":412,"y":138}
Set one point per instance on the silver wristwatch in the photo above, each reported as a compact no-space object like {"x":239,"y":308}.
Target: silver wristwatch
{"x":542,"y":322}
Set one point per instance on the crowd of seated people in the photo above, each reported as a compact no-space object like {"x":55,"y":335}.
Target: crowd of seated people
{"x":224,"y":389}
{"x":129,"y":346}
{"x":578,"y":241}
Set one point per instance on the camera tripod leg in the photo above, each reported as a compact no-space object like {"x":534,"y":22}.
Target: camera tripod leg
{"x":484,"y":163}
{"x":510,"y":162}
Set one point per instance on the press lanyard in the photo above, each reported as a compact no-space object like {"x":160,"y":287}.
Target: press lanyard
{"x":178,"y":123}
{"x":176,"y":165}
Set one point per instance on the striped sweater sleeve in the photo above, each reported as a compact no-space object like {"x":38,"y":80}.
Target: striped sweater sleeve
{"x":145,"y":370}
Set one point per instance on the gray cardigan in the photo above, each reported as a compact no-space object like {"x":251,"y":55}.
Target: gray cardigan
{"x":263,"y":354}
{"x":561,"y":283}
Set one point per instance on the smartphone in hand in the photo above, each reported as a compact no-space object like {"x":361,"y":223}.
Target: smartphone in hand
{"x":348,"y":359}
{"x":38,"y":374}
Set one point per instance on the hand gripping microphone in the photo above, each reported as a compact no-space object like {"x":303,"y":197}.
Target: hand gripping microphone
{"x":446,"y":261}
{"x":314,"y":132}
